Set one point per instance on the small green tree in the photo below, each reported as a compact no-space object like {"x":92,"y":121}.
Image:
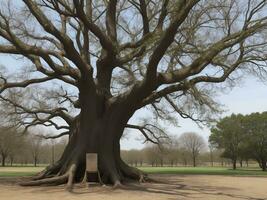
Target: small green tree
{"x":228,"y":134}
{"x":255,"y":125}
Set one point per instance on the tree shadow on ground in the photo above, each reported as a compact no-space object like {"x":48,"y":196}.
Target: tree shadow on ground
{"x":191,"y":192}
{"x":169,"y":188}
{"x":176,"y":187}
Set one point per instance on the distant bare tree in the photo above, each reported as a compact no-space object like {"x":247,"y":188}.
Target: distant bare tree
{"x":35,"y":144}
{"x":173,"y":152}
{"x":211,"y":153}
{"x":193,"y":143}
{"x":8,"y":142}
{"x":151,"y":155}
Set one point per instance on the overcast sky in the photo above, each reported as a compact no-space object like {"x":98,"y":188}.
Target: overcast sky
{"x":248,"y":97}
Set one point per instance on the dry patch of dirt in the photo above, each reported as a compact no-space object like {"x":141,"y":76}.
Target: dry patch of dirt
{"x":169,"y":187}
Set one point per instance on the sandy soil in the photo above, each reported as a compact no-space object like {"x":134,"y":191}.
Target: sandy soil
{"x":170,"y":188}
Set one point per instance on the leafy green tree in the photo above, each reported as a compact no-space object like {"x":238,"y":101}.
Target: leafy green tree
{"x":228,"y":134}
{"x":255,"y":125}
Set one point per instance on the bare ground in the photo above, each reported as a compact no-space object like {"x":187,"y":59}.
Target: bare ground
{"x":170,"y":187}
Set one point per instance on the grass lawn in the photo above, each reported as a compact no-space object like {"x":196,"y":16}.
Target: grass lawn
{"x":28,"y":171}
{"x":204,"y":171}
{"x":19,"y":171}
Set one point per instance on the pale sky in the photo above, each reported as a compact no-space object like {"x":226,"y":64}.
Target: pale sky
{"x":248,"y":97}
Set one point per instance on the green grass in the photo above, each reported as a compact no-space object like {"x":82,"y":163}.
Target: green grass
{"x":204,"y":171}
{"x":28,"y":171}
{"x":19,"y":171}
{"x":16,"y":174}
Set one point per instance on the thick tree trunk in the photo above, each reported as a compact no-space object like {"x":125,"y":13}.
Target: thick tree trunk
{"x":211,"y":158}
{"x":263,"y":165}
{"x":35,"y":162}
{"x":185,"y":162}
{"x":95,"y":131}
{"x":259,"y":162}
{"x":212,"y":163}
{"x":11,"y":161}
{"x":3,"y":160}
{"x":234,"y":164}
{"x":194,"y":161}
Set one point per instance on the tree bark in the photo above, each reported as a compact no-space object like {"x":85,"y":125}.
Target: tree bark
{"x":11,"y":161}
{"x":98,"y":129}
{"x":185,"y":162}
{"x":3,"y":160}
{"x":194,"y":161}
{"x":263,"y":165}
{"x":234,"y":164}
{"x":35,"y":162}
{"x":211,"y":158}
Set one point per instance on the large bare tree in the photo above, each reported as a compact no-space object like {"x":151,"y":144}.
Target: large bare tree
{"x":117,"y":57}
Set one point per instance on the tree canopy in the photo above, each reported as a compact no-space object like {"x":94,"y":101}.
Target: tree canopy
{"x":229,"y":135}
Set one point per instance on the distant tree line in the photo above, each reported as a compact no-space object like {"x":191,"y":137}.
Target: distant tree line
{"x":28,"y":149}
{"x":234,"y":139}
{"x":190,"y":149}
{"x":242,"y":137}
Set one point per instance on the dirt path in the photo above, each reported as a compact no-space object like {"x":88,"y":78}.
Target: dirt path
{"x":171,"y":188}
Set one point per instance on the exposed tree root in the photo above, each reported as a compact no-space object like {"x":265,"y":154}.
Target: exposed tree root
{"x":132,"y":173}
{"x":57,"y":180}
{"x":72,"y":169}
{"x":71,"y":177}
{"x":84,"y":178}
{"x":48,"y":172}
{"x":116,"y":178}
{"x":46,"y":178}
{"x":118,"y":185}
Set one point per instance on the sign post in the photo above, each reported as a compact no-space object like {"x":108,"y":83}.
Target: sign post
{"x":92,"y":173}
{"x":91,"y":163}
